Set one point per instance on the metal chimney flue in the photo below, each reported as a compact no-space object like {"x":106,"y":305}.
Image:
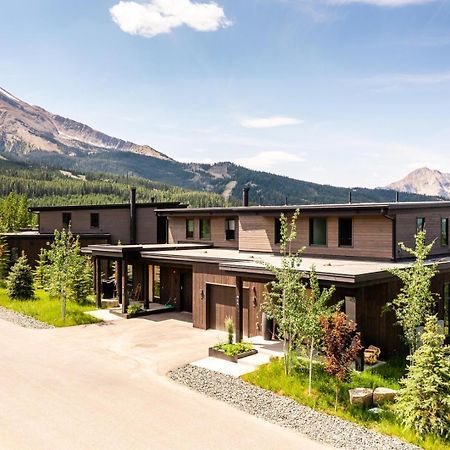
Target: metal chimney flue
{"x":245,"y":195}
{"x":397,"y":197}
{"x":350,"y":199}
{"x":133,"y":222}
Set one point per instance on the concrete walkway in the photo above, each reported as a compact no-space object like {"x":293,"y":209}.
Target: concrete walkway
{"x":103,"y":386}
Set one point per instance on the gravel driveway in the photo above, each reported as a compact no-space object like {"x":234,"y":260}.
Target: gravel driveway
{"x":285,"y":412}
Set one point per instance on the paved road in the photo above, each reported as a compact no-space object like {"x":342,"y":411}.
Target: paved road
{"x":104,"y":387}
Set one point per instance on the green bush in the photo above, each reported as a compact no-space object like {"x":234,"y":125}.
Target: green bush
{"x":19,"y":283}
{"x":4,"y":257}
{"x":423,"y":403}
{"x":134,"y":307}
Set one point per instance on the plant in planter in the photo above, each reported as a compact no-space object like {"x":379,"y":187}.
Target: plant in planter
{"x":231,"y":351}
{"x":229,"y":327}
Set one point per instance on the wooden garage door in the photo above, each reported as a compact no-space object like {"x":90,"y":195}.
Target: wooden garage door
{"x":222,"y":303}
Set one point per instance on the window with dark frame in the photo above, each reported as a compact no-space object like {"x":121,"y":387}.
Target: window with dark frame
{"x":345,"y":232}
{"x":444,"y":232}
{"x":420,"y":224}
{"x":277,"y":230}
{"x":230,"y":229}
{"x":95,"y":220}
{"x":205,"y":229}
{"x":66,"y":219}
{"x":318,"y":231}
{"x":189,"y":228}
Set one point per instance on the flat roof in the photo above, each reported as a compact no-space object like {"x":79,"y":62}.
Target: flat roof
{"x":329,"y":269}
{"x":378,"y":208}
{"x":171,"y":205}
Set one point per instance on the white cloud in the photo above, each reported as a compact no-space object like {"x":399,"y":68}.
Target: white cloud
{"x":269,"y":122}
{"x":268,"y":160}
{"x":388,"y":3}
{"x":161,"y":16}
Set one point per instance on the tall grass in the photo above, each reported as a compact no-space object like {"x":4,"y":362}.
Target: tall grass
{"x":48,"y":310}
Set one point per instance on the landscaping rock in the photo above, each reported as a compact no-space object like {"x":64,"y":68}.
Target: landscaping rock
{"x":285,"y":412}
{"x":22,"y":319}
{"x":382,"y":395}
{"x":361,"y":397}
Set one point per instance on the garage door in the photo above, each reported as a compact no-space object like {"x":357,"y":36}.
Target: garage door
{"x":222,"y":303}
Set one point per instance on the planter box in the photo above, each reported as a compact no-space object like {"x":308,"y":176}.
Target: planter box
{"x":221,"y":355}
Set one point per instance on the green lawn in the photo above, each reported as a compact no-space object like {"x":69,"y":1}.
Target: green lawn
{"x":271,"y":376}
{"x":48,"y":310}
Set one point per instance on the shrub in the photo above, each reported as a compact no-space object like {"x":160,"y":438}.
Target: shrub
{"x":229,"y":327}
{"x":19,"y":283}
{"x":423,"y":403}
{"x":342,"y":344}
{"x":134,"y":307}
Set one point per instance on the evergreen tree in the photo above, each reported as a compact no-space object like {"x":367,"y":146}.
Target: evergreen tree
{"x":415,"y":300}
{"x":423,"y":402}
{"x":19,"y":283}
{"x":4,"y":257}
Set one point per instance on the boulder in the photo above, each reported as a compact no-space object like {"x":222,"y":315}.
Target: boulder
{"x":361,"y":397}
{"x":382,"y":395}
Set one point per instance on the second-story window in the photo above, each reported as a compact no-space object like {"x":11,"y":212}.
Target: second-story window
{"x":205,"y":229}
{"x":189,"y":228}
{"x":345,"y":232}
{"x":66,"y":220}
{"x":318,"y":231}
{"x":444,"y":232}
{"x":420,"y":224}
{"x":230,"y":229}
{"x":277,"y":230}
{"x":95,"y":220}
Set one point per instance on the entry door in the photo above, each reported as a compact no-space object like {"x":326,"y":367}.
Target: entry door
{"x":186,"y":291}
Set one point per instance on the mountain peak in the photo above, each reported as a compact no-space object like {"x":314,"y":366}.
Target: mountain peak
{"x":27,"y":129}
{"x":424,"y":181}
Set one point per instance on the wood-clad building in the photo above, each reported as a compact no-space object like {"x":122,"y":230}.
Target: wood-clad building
{"x":211,"y":265}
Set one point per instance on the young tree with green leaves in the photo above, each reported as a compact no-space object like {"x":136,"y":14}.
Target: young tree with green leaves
{"x":316,"y":305}
{"x":284,"y":297}
{"x":19,"y":283}
{"x":68,"y":273}
{"x":4,"y":257}
{"x":342,"y":344}
{"x":423,"y":402}
{"x":415,"y":301}
{"x":14,"y":212}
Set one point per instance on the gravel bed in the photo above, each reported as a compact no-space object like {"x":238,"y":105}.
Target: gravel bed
{"x":22,"y":319}
{"x":283,"y":411}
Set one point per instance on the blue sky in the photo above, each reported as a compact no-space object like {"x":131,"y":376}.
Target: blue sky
{"x":345,"y":92}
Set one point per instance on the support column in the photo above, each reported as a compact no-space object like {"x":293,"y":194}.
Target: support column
{"x":145,"y":285}
{"x":124,"y":285}
{"x":239,"y":323}
{"x":98,"y":281}
{"x":119,"y":280}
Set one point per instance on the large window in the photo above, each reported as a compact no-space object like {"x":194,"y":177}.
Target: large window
{"x":444,"y":232}
{"x":447,"y":309}
{"x":189,"y":228}
{"x":318,"y":231}
{"x":205,"y":229}
{"x":420,"y":224}
{"x":277,"y":230}
{"x":66,"y":220}
{"x":95,"y":220}
{"x":230,"y":229}
{"x":345,"y":232}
